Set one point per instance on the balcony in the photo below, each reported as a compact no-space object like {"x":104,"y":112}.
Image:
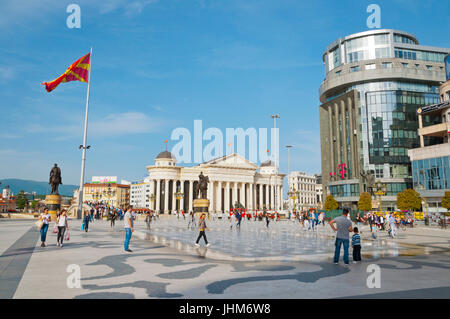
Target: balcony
{"x":440,"y":130}
{"x":433,"y":151}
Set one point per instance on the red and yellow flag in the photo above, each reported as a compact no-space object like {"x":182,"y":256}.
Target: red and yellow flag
{"x":78,"y":71}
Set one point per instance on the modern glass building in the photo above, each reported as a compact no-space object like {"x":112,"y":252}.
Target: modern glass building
{"x":375,"y":81}
{"x":431,"y":161}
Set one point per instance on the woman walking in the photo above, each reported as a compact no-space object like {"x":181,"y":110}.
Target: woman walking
{"x":62,"y":226}
{"x":148,"y":219}
{"x":202,"y":226}
{"x":86,"y":222}
{"x":45,"y":218}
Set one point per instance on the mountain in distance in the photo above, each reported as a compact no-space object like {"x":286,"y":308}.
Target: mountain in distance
{"x":41,"y":188}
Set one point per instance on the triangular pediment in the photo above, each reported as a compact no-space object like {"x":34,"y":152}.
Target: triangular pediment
{"x":232,"y":160}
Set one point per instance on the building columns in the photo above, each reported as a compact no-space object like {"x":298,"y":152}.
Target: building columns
{"x":235,"y":194}
{"x":227,"y":197}
{"x":174,"y":198}
{"x":166,"y":196}
{"x":242,"y":195}
{"x":219,"y":197}
{"x":210,"y":195}
{"x":182,"y":198}
{"x":191,"y":196}
{"x":158,"y":195}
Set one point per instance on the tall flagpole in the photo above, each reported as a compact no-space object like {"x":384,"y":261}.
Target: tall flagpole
{"x":83,"y":156}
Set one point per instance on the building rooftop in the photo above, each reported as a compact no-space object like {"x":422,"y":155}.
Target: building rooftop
{"x":165,"y":154}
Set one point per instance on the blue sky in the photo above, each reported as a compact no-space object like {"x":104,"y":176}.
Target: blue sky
{"x":161,"y":64}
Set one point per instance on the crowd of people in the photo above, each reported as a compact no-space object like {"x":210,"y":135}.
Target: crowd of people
{"x":309,"y":220}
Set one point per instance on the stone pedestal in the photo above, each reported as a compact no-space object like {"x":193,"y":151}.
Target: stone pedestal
{"x":53,"y":202}
{"x":201,"y":206}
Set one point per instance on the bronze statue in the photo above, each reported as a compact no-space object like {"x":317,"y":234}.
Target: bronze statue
{"x":202,"y":186}
{"x":369,"y":181}
{"x":55,"y":179}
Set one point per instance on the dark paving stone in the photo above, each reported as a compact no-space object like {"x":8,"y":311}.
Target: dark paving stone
{"x":153,"y":289}
{"x":186,"y":274}
{"x":326,"y":270}
{"x":14,"y":262}
{"x":105,"y":295}
{"x":426,"y":293}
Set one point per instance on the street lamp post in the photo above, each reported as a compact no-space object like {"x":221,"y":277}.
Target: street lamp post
{"x":293,"y":194}
{"x":275,"y":117}
{"x":178,"y":195}
{"x":381,"y":191}
{"x":152,"y":200}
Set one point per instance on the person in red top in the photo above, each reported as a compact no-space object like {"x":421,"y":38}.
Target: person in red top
{"x":182,"y":213}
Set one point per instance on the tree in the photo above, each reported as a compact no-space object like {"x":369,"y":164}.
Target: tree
{"x":238,"y":205}
{"x":21,"y":200}
{"x":365,"y":202}
{"x":34,"y":204}
{"x":331,"y":203}
{"x":446,"y":200}
{"x":409,"y":200}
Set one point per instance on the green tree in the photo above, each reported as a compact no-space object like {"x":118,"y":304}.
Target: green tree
{"x":34,"y":204}
{"x":446,"y":200}
{"x":238,"y":205}
{"x":21,"y":200}
{"x":331,"y":203}
{"x":365,"y":202}
{"x":409,"y":200}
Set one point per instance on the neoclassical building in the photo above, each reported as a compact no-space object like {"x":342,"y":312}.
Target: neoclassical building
{"x":232,"y":179}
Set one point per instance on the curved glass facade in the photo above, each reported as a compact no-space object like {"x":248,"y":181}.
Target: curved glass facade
{"x":387,"y":44}
{"x":386,"y":124}
{"x":433,"y":173}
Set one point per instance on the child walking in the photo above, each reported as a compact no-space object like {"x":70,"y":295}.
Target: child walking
{"x":356,"y":244}
{"x":202,"y":226}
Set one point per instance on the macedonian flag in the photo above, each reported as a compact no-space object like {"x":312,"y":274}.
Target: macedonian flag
{"x":78,"y":71}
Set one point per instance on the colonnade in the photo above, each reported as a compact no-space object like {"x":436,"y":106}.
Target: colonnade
{"x":222,"y":195}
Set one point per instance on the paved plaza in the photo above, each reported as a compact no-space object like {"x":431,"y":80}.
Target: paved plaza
{"x":284,"y":240}
{"x":283,"y":261}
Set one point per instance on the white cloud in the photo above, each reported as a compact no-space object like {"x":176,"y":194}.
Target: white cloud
{"x":6,"y":73}
{"x":245,"y":56}
{"x":9,"y":136}
{"x":124,"y":124}
{"x":115,"y":124}
{"x":136,"y":7}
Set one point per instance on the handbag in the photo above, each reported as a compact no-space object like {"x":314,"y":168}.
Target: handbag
{"x":39,"y":224}
{"x":55,"y":229}
{"x":82,"y":226}
{"x":67,"y":236}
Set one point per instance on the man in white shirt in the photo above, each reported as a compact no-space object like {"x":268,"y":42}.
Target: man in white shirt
{"x":128,"y":225}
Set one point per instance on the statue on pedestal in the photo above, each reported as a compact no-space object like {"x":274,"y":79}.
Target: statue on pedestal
{"x":55,"y":179}
{"x":202,"y":188}
{"x":369,"y":181}
{"x":201,"y":204}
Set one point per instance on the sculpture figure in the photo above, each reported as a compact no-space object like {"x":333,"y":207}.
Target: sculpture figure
{"x":55,"y":179}
{"x":202,"y":186}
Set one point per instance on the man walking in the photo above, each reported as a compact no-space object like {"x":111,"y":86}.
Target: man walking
{"x":393,"y":226}
{"x":344,"y":226}
{"x":128,"y":225}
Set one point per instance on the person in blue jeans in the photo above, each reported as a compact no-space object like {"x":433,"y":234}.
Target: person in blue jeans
{"x":128,"y":225}
{"x":342,"y":226}
{"x":86,"y":222}
{"x":45,"y":218}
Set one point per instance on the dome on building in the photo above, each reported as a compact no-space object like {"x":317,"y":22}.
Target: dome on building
{"x":268,"y":163}
{"x":165,"y":155}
